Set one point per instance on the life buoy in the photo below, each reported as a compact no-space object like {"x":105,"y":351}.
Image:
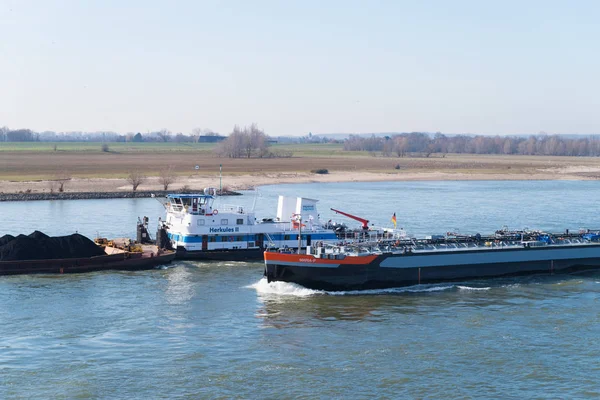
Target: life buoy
{"x":215,"y":212}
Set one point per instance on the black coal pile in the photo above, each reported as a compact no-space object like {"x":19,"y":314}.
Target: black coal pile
{"x":39,"y":246}
{"x":5,"y":239}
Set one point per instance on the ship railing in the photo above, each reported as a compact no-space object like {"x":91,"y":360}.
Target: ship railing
{"x":181,"y":208}
{"x":306,"y":227}
{"x":175,"y":207}
{"x":230,"y":208}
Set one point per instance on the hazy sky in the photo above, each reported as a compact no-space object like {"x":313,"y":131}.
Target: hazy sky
{"x":503,"y":67}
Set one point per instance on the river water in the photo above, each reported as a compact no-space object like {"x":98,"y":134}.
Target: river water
{"x":217,"y":330}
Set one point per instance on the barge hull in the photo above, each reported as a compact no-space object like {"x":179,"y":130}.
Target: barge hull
{"x":76,"y":265}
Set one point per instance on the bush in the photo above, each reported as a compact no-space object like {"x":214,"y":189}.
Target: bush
{"x":185,"y":189}
{"x":279,"y":154}
{"x":397,"y":166}
{"x":321,"y":171}
{"x":105,"y":148}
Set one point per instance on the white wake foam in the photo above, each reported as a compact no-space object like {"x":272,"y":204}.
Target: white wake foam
{"x":472,"y":288}
{"x":283,"y":288}
{"x":407,"y":289}
{"x":292,"y":289}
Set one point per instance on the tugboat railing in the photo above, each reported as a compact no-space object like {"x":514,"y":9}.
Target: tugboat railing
{"x":229,"y":208}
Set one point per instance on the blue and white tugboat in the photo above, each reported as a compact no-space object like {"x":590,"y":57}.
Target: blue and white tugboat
{"x":197,"y":229}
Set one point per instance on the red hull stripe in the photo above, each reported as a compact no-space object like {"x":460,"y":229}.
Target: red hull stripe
{"x":309,"y":259}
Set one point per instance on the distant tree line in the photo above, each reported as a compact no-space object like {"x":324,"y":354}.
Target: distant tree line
{"x":246,"y":142}
{"x":417,"y":142}
{"x":249,"y":142}
{"x":18,"y":135}
{"x":163,"y":135}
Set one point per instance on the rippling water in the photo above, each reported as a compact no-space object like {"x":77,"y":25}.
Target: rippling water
{"x":217,"y":330}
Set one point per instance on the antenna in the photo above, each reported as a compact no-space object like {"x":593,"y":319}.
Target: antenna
{"x":255,"y":197}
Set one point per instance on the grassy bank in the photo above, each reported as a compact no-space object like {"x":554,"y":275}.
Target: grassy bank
{"x":41,"y":161}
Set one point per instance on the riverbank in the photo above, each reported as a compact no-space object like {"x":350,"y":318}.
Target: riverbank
{"x":87,"y":195}
{"x":78,"y":188}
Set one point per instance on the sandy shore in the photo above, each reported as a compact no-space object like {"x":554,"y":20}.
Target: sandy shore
{"x":245,"y":182}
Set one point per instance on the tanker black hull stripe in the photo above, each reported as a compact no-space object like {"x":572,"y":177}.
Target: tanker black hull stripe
{"x":372,"y":276}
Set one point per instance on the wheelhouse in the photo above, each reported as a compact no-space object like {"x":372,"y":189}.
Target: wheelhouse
{"x":195,"y":204}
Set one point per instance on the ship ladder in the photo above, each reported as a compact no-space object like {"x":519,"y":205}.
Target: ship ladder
{"x":271,"y":243}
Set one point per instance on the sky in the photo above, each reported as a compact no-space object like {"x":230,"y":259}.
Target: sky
{"x":294,"y":67}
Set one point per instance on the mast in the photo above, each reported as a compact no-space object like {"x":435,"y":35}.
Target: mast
{"x":299,"y":219}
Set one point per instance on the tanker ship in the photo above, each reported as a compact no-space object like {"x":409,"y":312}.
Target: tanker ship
{"x":385,"y":263}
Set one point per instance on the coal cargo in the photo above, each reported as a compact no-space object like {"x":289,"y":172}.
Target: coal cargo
{"x":39,"y":246}
{"x":5,"y":239}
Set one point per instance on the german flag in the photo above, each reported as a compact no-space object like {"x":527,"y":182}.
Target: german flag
{"x":394,"y":220}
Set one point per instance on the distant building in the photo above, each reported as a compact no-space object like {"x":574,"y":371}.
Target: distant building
{"x":211,"y":139}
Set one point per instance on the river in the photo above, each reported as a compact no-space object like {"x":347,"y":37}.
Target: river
{"x":217,"y":330}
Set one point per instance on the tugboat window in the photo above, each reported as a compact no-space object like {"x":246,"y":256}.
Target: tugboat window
{"x":224,"y":221}
{"x":240,"y":221}
{"x":200,"y":222}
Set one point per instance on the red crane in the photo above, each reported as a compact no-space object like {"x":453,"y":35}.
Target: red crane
{"x":364,"y":222}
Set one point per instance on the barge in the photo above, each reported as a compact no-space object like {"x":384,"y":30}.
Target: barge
{"x":123,"y":261}
{"x":40,"y":253}
{"x":392,"y":263}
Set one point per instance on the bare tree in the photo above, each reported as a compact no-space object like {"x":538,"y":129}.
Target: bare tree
{"x":247,"y":142}
{"x":166,"y":176}
{"x":135,"y":179}
{"x":61,"y":178}
{"x":181,"y":138}
{"x":258,"y":141}
{"x":164,"y":134}
{"x":3,"y":131}
{"x":196,"y":133}
{"x":234,"y":145}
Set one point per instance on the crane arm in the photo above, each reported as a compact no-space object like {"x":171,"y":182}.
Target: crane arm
{"x":364,"y":222}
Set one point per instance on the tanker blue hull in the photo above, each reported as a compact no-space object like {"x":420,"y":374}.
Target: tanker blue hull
{"x":395,"y":270}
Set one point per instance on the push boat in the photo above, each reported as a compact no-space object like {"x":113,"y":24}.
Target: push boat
{"x":197,"y":229}
{"x":386,"y":263}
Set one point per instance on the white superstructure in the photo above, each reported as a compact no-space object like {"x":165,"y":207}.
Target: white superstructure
{"x":193,"y":223}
